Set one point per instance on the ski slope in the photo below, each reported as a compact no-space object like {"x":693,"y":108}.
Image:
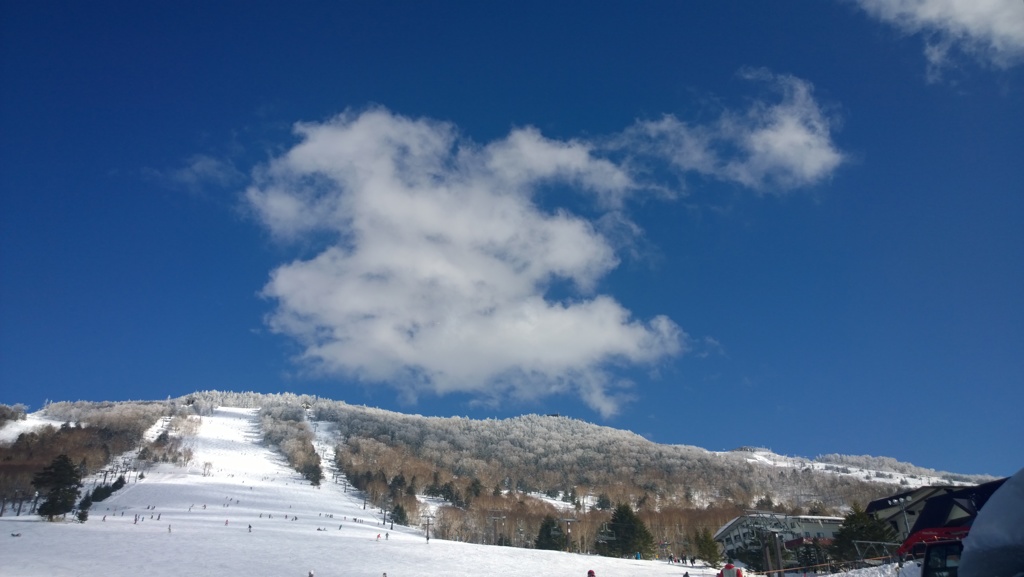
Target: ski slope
{"x":196,"y":524}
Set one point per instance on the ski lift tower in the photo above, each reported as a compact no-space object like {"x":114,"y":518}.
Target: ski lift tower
{"x":568,"y":531}
{"x":494,"y":517}
{"x":429,"y":518}
{"x":773,"y":526}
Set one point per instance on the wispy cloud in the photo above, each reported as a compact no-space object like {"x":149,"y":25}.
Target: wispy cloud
{"x":991,"y":31}
{"x":441,"y":263}
{"x":709,"y":347}
{"x":198,"y":172}
{"x":769,"y":146}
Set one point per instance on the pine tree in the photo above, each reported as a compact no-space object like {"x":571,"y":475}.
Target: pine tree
{"x":859,"y":526}
{"x":312,"y":472}
{"x":706,"y":547}
{"x":398,"y":515}
{"x":60,"y":482}
{"x":812,"y":555}
{"x":630,"y":535}
{"x":550,"y":536}
{"x":765,"y":503}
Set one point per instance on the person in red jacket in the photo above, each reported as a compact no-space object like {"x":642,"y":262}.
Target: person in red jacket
{"x":730,"y":570}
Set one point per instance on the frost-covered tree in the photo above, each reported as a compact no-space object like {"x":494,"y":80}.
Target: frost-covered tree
{"x":12,"y":413}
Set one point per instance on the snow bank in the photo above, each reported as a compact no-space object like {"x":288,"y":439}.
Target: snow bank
{"x":995,"y":545}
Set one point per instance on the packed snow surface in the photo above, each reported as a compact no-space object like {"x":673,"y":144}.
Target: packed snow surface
{"x":199,"y":525}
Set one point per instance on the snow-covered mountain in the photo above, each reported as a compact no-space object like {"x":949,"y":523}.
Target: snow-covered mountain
{"x":884,"y":470}
{"x":552,"y":455}
{"x":238,"y":509}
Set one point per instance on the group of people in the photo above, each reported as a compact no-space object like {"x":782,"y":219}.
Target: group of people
{"x":673,"y":559}
{"x":729,"y":570}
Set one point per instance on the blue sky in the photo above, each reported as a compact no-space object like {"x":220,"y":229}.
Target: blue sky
{"x":793,"y":225}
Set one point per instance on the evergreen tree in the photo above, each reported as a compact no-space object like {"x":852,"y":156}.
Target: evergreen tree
{"x":765,"y":503}
{"x":604,"y":502}
{"x":550,"y":536}
{"x":312,"y":472}
{"x":630,"y":535}
{"x":706,"y":547}
{"x":398,"y":515}
{"x":812,"y":554}
{"x":475,"y":488}
{"x":60,"y":482}
{"x":859,"y":526}
{"x":397,"y":485}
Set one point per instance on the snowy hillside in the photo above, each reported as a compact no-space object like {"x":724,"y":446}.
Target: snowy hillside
{"x":528,"y":454}
{"x":178,"y":521}
{"x":888,"y":471}
{"x":31,"y":422}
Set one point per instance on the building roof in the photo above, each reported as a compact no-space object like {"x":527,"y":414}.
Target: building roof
{"x":913,"y":496}
{"x":955,"y":508}
{"x":750,"y":515}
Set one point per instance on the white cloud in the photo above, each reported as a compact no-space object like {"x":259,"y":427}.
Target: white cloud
{"x":440,"y":259}
{"x":990,"y":30}
{"x":437,"y":279}
{"x":526,"y":156}
{"x":777,"y":146}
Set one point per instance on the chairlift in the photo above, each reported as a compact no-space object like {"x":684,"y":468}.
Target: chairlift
{"x":605,"y":534}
